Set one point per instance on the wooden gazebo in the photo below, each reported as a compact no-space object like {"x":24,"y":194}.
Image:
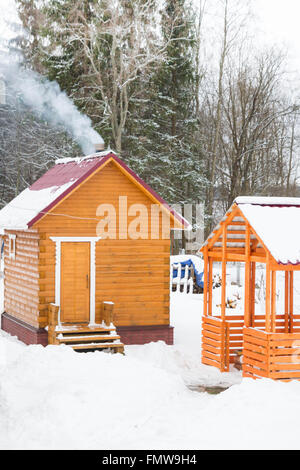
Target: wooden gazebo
{"x":255,"y":230}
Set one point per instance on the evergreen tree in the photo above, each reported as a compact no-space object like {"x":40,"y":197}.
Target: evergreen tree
{"x":146,"y":112}
{"x":168,"y":154}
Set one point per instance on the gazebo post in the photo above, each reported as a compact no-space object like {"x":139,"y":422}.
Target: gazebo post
{"x":273,"y":302}
{"x":223,"y":292}
{"x":286,"y":301}
{"x":252,"y":306}
{"x":210,"y":281}
{"x":268,"y":286}
{"x":205,"y":280}
{"x":291,"y":312}
{"x":247,"y":278}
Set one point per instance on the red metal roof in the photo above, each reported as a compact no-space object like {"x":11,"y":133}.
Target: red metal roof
{"x":62,"y":173}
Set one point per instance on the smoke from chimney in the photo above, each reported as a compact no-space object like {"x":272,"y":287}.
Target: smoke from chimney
{"x":2,"y":91}
{"x":46,"y":99}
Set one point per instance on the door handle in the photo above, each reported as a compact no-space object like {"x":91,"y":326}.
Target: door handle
{"x":87,"y":281}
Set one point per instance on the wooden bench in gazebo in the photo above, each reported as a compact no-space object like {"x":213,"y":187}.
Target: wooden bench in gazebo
{"x":255,"y":230}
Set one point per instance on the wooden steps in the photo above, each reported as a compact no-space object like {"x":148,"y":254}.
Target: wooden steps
{"x":93,"y":347}
{"x":74,"y":329}
{"x":85,"y":338}
{"x":88,"y":338}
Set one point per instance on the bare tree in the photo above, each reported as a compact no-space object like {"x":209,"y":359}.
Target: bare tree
{"x":198,"y":51}
{"x":234,"y":17}
{"x":252,"y":106}
{"x":120,"y":42}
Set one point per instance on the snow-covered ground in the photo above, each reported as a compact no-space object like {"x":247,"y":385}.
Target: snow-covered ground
{"x":184,"y":358}
{"x":55,"y":398}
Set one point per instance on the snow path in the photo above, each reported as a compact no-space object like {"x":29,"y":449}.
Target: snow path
{"x":54,"y":398}
{"x":184,"y":358}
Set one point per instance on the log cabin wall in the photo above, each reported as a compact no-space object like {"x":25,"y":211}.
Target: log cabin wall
{"x":134,"y":274}
{"x":21,"y":277}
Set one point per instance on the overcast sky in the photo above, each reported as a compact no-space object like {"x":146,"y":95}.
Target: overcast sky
{"x":8,"y":12}
{"x":278,"y":21}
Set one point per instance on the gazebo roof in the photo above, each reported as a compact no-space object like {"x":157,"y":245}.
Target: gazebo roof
{"x":274,"y":223}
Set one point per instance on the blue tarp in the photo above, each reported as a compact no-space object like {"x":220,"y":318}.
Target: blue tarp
{"x":198,"y":275}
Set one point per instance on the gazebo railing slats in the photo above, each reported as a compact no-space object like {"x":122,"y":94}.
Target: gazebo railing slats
{"x":215,"y":342}
{"x":272,"y":355}
{"x":235,"y":325}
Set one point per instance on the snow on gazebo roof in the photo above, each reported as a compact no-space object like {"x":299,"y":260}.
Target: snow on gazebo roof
{"x":34,"y":202}
{"x":276,"y":220}
{"x":268,"y":201}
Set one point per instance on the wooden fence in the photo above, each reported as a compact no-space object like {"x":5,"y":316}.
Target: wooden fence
{"x":271,"y":355}
{"x":215,"y":343}
{"x":221,"y":340}
{"x":183,"y":284}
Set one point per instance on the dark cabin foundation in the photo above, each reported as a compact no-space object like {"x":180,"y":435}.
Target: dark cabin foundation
{"x":129,"y":334}
{"x":145,"y":334}
{"x":24,"y":332}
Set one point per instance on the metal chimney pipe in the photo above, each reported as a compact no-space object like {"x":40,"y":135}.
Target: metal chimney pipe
{"x":99,"y":147}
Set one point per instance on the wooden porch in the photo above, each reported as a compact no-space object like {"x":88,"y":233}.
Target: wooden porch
{"x":84,"y":337}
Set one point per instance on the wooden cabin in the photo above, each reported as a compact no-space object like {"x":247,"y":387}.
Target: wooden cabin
{"x":255,"y":230}
{"x":59,"y":259}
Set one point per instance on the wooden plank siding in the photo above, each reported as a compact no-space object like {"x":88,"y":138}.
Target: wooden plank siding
{"x":21,"y":277}
{"x":134,"y":274}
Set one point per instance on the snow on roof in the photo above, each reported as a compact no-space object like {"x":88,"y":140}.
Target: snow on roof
{"x":78,"y":160}
{"x":27,"y":205}
{"x":269,"y":201}
{"x":32,"y":203}
{"x":278,"y":226}
{"x":47,"y":191}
